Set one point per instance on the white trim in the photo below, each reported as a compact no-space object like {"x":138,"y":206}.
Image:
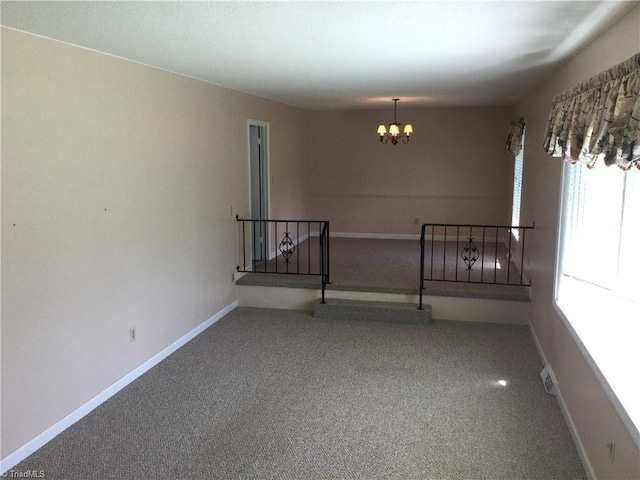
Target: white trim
{"x":582,"y":453}
{"x":124,"y":59}
{"x":611,"y":395}
{"x":49,"y":434}
{"x":384,"y":236}
{"x":267,"y":161}
{"x":559,"y":233}
{"x":471,"y":198}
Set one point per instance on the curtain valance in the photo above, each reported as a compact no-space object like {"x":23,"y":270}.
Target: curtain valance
{"x":600,"y":118}
{"x":514,"y":139}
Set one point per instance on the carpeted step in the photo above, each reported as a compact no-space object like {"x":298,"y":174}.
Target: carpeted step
{"x":373,"y":311}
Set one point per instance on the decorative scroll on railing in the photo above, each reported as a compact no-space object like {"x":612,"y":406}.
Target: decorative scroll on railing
{"x":294,"y":247}
{"x":488,"y":254}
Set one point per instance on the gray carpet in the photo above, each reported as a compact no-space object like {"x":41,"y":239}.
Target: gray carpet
{"x":273,"y":394}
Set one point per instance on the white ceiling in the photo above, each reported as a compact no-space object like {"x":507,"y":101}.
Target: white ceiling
{"x":336,"y":55}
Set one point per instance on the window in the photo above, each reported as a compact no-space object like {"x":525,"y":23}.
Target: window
{"x":517,"y":188}
{"x":601,"y":229}
{"x":597,"y":273}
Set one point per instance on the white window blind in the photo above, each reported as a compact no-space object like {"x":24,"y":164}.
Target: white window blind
{"x":599,"y":228}
{"x":517,"y":188}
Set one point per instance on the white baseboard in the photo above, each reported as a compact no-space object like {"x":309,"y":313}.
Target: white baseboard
{"x":382,"y":236}
{"x":586,"y":464}
{"x":30,"y":447}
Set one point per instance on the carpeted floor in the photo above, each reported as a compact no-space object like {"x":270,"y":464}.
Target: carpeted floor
{"x":274,"y":394}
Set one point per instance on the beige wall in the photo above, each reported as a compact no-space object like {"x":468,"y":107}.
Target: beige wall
{"x":454,"y":169}
{"x":117,"y":180}
{"x":589,"y":407}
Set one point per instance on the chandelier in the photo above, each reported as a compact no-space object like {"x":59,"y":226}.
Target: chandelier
{"x":394,"y":129}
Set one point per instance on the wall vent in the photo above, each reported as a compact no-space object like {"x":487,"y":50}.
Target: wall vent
{"x":548,"y":380}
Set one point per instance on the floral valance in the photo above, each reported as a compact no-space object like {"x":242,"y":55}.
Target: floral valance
{"x":600,"y":118}
{"x":514,"y":139}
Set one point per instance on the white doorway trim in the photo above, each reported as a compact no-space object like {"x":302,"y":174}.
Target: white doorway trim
{"x":263,"y":178}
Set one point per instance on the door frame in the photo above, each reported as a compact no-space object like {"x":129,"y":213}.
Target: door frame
{"x":265,"y":151}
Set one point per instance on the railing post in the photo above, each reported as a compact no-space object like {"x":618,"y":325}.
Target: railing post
{"x":524,"y":234}
{"x":323,"y":260}
{"x":457,"y":249}
{"x":509,"y":257}
{"x":328,"y":254}
{"x":422,"y":265}
{"x":265,"y":244}
{"x":309,"y":249}
{"x":495,"y":260}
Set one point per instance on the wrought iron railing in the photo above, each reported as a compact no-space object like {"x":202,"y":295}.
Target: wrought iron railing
{"x":295,"y":247}
{"x":488,"y":254}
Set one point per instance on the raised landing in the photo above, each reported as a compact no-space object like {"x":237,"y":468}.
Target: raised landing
{"x":390,"y":312}
{"x":385,"y":271}
{"x":440,"y":289}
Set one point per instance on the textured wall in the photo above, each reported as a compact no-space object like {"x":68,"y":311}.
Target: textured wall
{"x":117,"y":180}
{"x":589,"y":407}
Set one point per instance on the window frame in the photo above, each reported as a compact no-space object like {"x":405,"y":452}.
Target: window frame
{"x":605,"y":340}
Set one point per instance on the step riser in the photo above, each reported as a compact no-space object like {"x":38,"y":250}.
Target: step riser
{"x":443,"y":308}
{"x":373,"y":311}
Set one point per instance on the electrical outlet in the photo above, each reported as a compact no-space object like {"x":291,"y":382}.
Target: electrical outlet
{"x":416,"y":221}
{"x":233,"y":277}
{"x":132,"y":334}
{"x":230,"y":210}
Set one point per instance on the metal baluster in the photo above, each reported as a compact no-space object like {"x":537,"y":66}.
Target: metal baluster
{"x":484,"y":233}
{"x":255,"y":225}
{"x":444,"y":255}
{"x":457,"y":248}
{"x":275,"y":238}
{"x":298,"y":250}
{"x":244,"y":246}
{"x":322,"y":259}
{"x":470,"y":240}
{"x":328,"y":253}
{"x":321,"y":244}
{"x":433,"y":230}
{"x":524,"y":234}
{"x":509,"y":256}
{"x":309,"y":249}
{"x":421,"y":265}
{"x":286,"y":229}
{"x":495,"y":259}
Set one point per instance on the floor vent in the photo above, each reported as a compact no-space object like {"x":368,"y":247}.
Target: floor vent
{"x":548,"y":379}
